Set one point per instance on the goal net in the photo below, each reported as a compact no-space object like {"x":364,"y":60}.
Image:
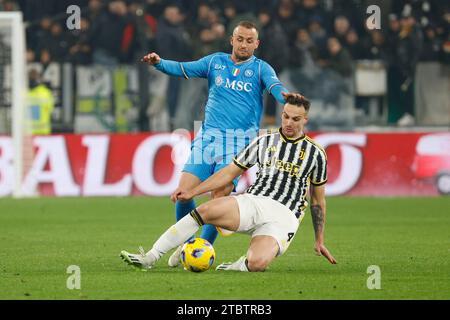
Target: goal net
{"x":15,"y":140}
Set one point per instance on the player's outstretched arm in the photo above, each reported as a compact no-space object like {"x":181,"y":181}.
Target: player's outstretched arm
{"x":219,"y":180}
{"x":190,"y":69}
{"x":318,"y":213}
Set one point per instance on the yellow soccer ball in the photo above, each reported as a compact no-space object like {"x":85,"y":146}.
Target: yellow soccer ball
{"x":197,"y":255}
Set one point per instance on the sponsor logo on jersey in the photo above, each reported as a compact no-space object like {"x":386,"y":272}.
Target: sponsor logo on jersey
{"x":219,"y":67}
{"x":238,"y":85}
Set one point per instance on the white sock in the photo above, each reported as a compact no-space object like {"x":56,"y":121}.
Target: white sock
{"x":242,"y":265}
{"x":175,"y":236}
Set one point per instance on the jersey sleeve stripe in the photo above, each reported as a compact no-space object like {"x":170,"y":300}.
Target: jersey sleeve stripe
{"x":318,"y":184}
{"x":209,"y":65}
{"x":240,"y":165}
{"x":184,"y":72}
{"x":274,"y":85}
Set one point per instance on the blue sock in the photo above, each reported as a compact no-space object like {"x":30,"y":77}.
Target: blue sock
{"x":209,"y":232}
{"x":183,"y":208}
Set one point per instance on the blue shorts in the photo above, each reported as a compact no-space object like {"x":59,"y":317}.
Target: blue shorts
{"x":208,"y":158}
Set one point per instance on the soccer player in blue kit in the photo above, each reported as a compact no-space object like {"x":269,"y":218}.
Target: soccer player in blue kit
{"x":237,"y":83}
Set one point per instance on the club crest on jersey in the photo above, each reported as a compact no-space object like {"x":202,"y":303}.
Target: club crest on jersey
{"x":248,"y":73}
{"x":236,"y":72}
{"x":302,"y":154}
{"x":219,"y":81}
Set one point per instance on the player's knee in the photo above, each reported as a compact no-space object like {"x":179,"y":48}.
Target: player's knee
{"x":203,"y":211}
{"x":257,"y":264}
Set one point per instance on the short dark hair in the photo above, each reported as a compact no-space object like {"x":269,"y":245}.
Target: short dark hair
{"x":247,"y":25}
{"x":301,"y":102}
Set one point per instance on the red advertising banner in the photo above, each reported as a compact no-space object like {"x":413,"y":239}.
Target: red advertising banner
{"x":359,"y":164}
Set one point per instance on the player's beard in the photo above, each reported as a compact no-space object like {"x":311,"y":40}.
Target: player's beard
{"x":242,"y":57}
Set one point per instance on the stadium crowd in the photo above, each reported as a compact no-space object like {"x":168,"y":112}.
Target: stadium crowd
{"x":329,"y":34}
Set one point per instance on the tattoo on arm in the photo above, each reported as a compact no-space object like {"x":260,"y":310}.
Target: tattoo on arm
{"x":317,"y":218}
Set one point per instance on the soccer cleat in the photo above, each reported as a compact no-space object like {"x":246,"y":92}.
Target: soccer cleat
{"x":238,"y":265}
{"x":175,"y":258}
{"x":140,"y":261}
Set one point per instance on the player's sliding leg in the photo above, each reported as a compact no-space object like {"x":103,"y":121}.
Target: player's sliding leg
{"x":209,"y":232}
{"x":263,"y":250}
{"x":223,"y":212}
{"x":173,"y":237}
{"x":188,"y":181}
{"x":182,"y":209}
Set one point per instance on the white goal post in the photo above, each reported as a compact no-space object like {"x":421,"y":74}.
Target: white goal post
{"x":13,"y":31}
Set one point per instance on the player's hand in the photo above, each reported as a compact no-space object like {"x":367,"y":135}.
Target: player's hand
{"x":151,"y":58}
{"x":185,"y":196}
{"x":174,"y":195}
{"x":291,"y":94}
{"x":181,"y":195}
{"x":321,"y":250}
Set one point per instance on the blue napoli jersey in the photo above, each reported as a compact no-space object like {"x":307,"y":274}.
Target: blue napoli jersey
{"x":235,"y":99}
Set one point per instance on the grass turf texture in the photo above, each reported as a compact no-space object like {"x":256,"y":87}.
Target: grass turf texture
{"x":408,"y":239}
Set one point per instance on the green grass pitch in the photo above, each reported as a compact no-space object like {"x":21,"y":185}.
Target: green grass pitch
{"x":409,"y":239}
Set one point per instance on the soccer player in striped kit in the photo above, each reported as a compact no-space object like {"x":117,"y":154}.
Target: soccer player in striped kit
{"x":291,"y":165}
{"x":237,"y":83}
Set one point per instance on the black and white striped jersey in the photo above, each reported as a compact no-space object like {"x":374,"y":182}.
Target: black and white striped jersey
{"x":286,"y":167}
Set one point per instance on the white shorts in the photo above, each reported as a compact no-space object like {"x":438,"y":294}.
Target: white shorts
{"x":262,"y":216}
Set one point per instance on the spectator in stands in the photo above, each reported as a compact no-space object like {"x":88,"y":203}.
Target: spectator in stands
{"x":304,"y":51}
{"x":393,"y":30}
{"x":353,"y":44}
{"x":339,"y":59}
{"x":286,"y":17}
{"x":402,"y":71}
{"x":57,"y":43}
{"x":318,"y":34}
{"x":432,"y":46}
{"x":304,"y":71}
{"x":173,"y":43}
{"x":341,"y":28}
{"x":140,"y":32}
{"x":94,"y":10}
{"x":155,"y":8}
{"x":354,"y":11}
{"x":80,"y":51}
{"x":208,"y":31}
{"x":30,"y":56}
{"x":201,"y":19}
{"x":107,"y":34}
{"x":271,"y":36}
{"x":235,"y":13}
{"x":8,"y":5}
{"x":308,"y":10}
{"x":41,"y":35}
{"x":375,"y":47}
{"x":45,"y":58}
{"x":36,"y":10}
{"x":229,"y":13}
